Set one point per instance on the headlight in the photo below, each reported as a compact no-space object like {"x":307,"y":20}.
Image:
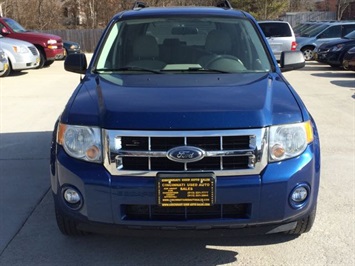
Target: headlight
{"x":20,"y":49}
{"x":288,"y":141}
{"x":337,"y":48}
{"x":52,"y":44}
{"x":81,"y":142}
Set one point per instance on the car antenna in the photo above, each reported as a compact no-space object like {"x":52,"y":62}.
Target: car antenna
{"x":139,"y":5}
{"x":224,"y":4}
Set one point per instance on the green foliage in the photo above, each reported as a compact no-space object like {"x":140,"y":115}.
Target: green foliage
{"x":262,"y":9}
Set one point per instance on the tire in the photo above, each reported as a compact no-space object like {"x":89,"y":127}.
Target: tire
{"x":42,"y":59}
{"x":308,"y":53}
{"x":304,"y":225}
{"x":7,"y":72}
{"x":66,"y":225}
{"x":48,"y":63}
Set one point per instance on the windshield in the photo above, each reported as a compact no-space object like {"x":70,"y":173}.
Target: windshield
{"x":14,"y":25}
{"x":314,"y":30}
{"x":181,"y":44}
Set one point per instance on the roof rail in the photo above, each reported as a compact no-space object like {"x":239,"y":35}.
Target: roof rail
{"x":224,"y":4}
{"x":139,"y":5}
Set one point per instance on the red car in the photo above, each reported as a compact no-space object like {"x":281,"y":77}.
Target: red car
{"x":49,"y":46}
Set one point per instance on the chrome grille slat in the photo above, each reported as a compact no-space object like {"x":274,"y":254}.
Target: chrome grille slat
{"x":149,"y":148}
{"x":238,"y":152}
{"x":33,"y":50}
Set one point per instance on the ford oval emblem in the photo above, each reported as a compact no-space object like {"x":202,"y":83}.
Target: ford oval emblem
{"x":185,"y":154}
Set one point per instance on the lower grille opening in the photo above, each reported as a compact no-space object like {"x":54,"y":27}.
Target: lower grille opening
{"x":157,"y":213}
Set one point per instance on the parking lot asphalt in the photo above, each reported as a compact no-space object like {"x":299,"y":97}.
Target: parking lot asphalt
{"x":31,"y":101}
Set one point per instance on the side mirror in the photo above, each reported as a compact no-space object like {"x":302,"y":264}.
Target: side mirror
{"x":291,"y":60}
{"x":5,"y":31}
{"x":76,"y":63}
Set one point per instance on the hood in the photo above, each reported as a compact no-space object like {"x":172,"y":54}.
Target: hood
{"x":201,"y":101}
{"x":9,"y":41}
{"x":301,"y":40}
{"x":41,"y":36}
{"x":338,"y":41}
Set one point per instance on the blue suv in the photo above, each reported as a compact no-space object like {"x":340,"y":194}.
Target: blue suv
{"x":183,"y":120}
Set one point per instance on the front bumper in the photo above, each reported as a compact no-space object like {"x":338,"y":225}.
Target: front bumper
{"x":320,"y":56}
{"x":131,"y":201}
{"x":54,"y":54}
{"x":25,"y":61}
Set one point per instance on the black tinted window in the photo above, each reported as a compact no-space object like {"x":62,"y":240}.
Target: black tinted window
{"x":276,"y":29}
{"x":348,"y":28}
{"x":332,"y":32}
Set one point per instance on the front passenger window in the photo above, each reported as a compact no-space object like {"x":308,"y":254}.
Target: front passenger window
{"x":348,"y":28}
{"x":332,"y":32}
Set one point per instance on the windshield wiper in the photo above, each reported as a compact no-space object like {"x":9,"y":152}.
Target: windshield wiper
{"x":195,"y":69}
{"x":127,"y":68}
{"x":207,"y":70}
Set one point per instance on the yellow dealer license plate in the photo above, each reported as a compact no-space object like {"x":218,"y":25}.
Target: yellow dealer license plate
{"x":180,"y":190}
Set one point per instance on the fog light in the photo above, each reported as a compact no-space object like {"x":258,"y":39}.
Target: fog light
{"x":72,"y":196}
{"x":299,"y":195}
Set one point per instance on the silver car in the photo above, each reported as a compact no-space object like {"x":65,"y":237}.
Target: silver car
{"x":279,"y":35}
{"x":21,"y":55}
{"x":4,"y":63}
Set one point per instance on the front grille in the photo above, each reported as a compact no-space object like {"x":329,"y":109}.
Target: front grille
{"x":157,"y":213}
{"x":33,"y":50}
{"x":162,"y":144}
{"x":146,"y":153}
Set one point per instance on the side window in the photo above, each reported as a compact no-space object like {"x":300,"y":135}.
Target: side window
{"x":332,"y":32}
{"x":348,"y":28}
{"x":2,"y":27}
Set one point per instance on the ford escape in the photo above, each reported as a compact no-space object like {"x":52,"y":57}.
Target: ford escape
{"x":183,"y":120}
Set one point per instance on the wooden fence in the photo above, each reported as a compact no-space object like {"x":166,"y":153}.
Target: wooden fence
{"x":295,"y":18}
{"x":87,"y":39}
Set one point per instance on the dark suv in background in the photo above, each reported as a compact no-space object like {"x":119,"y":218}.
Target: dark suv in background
{"x":309,"y":41}
{"x":183,"y":120}
{"x":333,"y":52}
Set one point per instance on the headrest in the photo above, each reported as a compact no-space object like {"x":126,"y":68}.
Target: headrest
{"x":218,"y":41}
{"x":145,"y":47}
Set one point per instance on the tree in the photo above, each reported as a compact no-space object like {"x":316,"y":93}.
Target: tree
{"x":301,"y":5}
{"x":342,"y":5}
{"x":34,"y":14}
{"x":262,"y":9}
